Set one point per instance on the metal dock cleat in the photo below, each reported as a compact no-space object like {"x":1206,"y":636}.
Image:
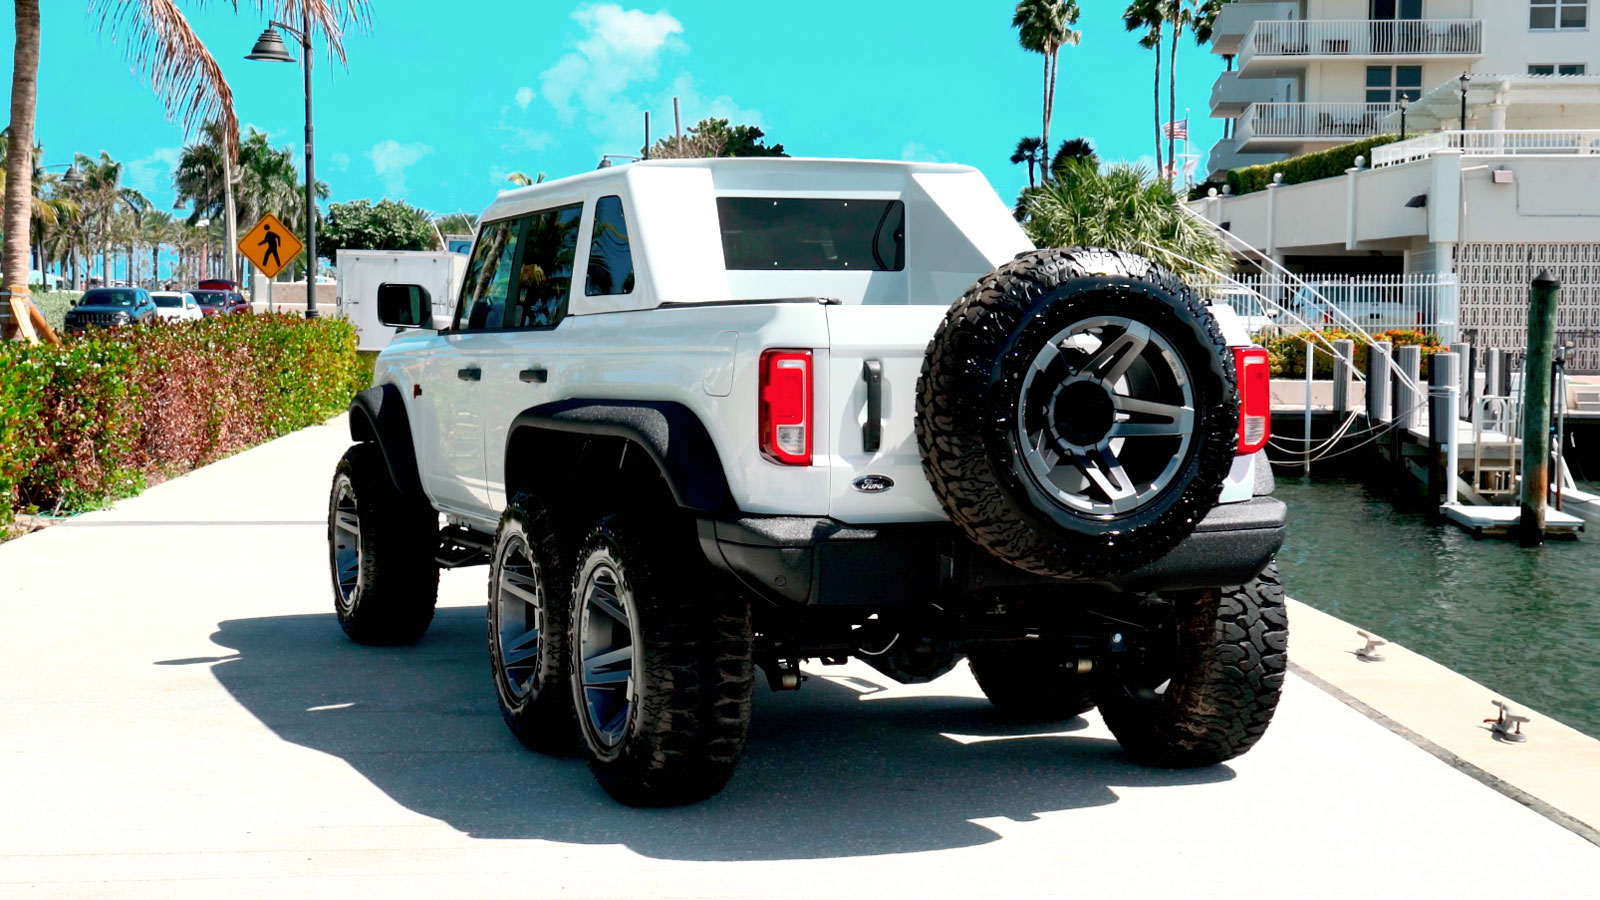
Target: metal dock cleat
{"x":1370,"y":653}
{"x":1508,"y":726}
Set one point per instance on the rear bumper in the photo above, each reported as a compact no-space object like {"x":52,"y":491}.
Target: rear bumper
{"x":824,"y":562}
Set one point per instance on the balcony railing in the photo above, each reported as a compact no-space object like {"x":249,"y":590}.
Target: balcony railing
{"x":1270,"y":305}
{"x":1490,"y":143}
{"x":1311,"y":121}
{"x":1362,"y":38}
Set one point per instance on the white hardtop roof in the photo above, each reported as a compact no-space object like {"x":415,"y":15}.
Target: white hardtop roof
{"x":570,"y":187}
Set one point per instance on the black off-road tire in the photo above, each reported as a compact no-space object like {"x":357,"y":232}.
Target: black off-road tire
{"x":527,"y":545}
{"x":1032,"y":683}
{"x":1226,"y":670}
{"x":395,"y":576}
{"x":693,"y":670}
{"x":968,"y":407}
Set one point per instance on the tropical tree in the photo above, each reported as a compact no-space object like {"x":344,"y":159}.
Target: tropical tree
{"x":1031,"y":151}
{"x":161,"y":44}
{"x":102,"y":195}
{"x":1150,"y":15}
{"x":155,"y":232}
{"x":457,"y":223}
{"x":390,"y":225}
{"x":715,"y":138}
{"x":1199,"y":17}
{"x":1074,"y":150}
{"x":1123,"y":207}
{"x":1044,"y":27}
{"x":521,"y":180}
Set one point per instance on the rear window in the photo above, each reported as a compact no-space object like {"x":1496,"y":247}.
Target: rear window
{"x":210,"y":298}
{"x":789,"y":234}
{"x":168,"y":301}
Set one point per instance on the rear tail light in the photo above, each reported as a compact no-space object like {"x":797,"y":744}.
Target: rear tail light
{"x":1254,"y":374}
{"x":786,"y":406}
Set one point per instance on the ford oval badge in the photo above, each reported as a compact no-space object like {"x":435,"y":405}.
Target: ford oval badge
{"x":873,"y":484}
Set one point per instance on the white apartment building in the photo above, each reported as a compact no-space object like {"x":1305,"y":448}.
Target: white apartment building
{"x":1499,"y":177}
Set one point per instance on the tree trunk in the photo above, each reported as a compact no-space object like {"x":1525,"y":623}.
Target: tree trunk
{"x":19,"y":153}
{"x":1172,"y":106}
{"x":1159,"y":168}
{"x":1044,"y":168}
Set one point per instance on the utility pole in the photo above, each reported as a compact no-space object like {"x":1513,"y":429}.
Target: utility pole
{"x":1543,"y":300}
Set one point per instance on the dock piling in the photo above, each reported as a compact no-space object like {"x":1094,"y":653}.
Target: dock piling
{"x":1463,"y":352}
{"x":1378,"y":383}
{"x":1444,"y":379}
{"x":1543,"y":299}
{"x":1344,"y":352}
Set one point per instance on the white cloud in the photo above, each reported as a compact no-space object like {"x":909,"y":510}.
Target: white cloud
{"x":152,"y":174}
{"x":524,"y":97}
{"x":621,"y":46}
{"x":390,"y":159}
{"x":339,"y":162}
{"x":914,"y":151}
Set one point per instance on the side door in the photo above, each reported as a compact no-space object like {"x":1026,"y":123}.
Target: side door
{"x":522,"y":362}
{"x":450,"y":406}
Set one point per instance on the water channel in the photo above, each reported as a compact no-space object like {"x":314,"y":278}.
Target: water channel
{"x":1522,"y":621}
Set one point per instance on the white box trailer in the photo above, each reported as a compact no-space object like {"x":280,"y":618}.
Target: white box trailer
{"x":362,"y":271}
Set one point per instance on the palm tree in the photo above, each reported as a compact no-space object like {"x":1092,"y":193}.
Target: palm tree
{"x":161,"y":43}
{"x":1125,"y":208}
{"x":155,"y":231}
{"x":104,"y":195}
{"x":1200,"y":16}
{"x":1029,"y":150}
{"x":457,"y":223}
{"x":1148,"y":14}
{"x":1044,"y":27}
{"x":1072,"y":151}
{"x":521,"y":180}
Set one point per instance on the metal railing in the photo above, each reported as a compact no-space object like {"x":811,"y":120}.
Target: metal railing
{"x":1573,"y":142}
{"x":1312,"y":121}
{"x":1273,"y":305}
{"x":1362,"y":38}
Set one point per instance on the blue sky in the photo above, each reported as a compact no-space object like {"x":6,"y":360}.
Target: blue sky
{"x":439,"y":101}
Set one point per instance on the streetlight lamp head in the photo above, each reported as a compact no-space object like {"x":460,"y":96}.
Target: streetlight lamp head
{"x":604,"y":163}
{"x":1405,"y":101}
{"x":72,"y":176}
{"x":269,"y":47}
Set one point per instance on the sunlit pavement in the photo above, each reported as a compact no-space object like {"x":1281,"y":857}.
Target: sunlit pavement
{"x":180,"y":716}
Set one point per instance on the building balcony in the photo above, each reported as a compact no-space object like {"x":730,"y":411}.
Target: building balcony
{"x":1234,"y":22}
{"x":1276,"y":47}
{"x":1286,"y":126}
{"x":1231,"y":94}
{"x":1225,"y":155}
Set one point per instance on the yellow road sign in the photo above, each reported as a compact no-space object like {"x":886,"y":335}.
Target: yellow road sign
{"x":270,"y":245}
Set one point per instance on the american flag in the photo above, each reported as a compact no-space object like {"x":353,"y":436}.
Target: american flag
{"x":1178,"y":131}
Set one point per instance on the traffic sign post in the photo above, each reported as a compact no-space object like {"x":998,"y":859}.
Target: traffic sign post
{"x":271,"y":246}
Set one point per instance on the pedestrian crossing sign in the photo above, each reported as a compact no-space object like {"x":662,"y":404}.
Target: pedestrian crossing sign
{"x":270,"y":245}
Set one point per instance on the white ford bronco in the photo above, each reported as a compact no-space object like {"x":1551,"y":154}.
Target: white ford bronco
{"x":701,"y":417}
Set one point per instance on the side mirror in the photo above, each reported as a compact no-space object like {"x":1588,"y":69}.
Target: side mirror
{"x":405,"y":306}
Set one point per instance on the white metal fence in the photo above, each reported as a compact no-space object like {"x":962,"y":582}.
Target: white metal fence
{"x":1576,"y":142}
{"x":1312,"y":121}
{"x":1273,"y":304}
{"x":1363,"y":37}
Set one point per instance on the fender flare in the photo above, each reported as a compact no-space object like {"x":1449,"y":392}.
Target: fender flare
{"x":378,"y":415}
{"x":670,"y":433}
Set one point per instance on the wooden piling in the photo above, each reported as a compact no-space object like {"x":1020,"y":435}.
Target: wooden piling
{"x":1543,"y":299}
{"x":1344,"y":352}
{"x":1443,"y":413}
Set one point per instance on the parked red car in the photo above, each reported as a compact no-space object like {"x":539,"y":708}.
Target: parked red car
{"x":220,"y":302}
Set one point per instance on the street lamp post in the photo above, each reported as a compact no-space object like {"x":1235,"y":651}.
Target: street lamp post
{"x":1465,"y":77}
{"x":270,"y":47}
{"x":1405,"y":104}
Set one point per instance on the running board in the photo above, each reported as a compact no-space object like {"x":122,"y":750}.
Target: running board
{"x":460,"y":547}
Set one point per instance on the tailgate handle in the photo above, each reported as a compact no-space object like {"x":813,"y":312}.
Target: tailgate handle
{"x":872,"y":429}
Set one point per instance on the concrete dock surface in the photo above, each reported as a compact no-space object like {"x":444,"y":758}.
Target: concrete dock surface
{"x":180,"y":716}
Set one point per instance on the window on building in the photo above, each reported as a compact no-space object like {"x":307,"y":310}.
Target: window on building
{"x":610,"y":257}
{"x":1387,"y":84}
{"x":545,"y":277}
{"x":1557,"y":69}
{"x":1558,"y":15}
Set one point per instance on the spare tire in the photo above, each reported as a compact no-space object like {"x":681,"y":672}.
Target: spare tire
{"x":1077,"y":412}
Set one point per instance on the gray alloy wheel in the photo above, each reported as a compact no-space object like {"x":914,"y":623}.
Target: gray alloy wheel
{"x":348,"y":576}
{"x":527,"y":627}
{"x":1096,"y":394}
{"x":520,"y":607}
{"x":607,"y":660}
{"x":381,"y":547}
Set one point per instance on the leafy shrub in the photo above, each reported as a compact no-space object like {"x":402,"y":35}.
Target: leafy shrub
{"x":1287,"y":353}
{"x":109,"y":412}
{"x":54,"y":305}
{"x":1307,"y":167}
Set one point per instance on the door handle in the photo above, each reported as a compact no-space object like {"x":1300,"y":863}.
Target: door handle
{"x":534,"y":376}
{"x":872,"y":429}
{"x":472,"y":374}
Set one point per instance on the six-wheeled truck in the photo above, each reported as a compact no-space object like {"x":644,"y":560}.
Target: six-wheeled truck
{"x":705,"y":417}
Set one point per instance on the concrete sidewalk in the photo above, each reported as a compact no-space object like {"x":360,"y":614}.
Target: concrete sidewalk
{"x":180,"y":716}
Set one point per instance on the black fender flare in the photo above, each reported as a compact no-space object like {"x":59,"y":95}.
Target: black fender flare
{"x":378,"y":415}
{"x":670,"y":433}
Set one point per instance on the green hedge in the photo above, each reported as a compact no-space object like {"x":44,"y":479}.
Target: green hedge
{"x":54,"y":305}
{"x":109,"y":412}
{"x":1309,"y":167}
{"x":1287,"y":353}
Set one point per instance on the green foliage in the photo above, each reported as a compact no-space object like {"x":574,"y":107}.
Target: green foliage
{"x":112,"y":411}
{"x":1123,"y":208}
{"x":713,"y":138}
{"x":391,"y":225}
{"x":1309,"y":167}
{"x":53,"y":305}
{"x":1287,"y":353}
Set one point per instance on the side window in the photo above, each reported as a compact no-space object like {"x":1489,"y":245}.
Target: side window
{"x":544,"y":278}
{"x":488,"y":281}
{"x":610,"y":256}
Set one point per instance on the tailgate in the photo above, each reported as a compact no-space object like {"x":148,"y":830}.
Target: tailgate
{"x":895,"y":337}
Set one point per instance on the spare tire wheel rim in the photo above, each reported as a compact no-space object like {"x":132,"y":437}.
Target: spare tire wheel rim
{"x":1106,"y":416}
{"x":346,"y":534}
{"x":607,"y":659}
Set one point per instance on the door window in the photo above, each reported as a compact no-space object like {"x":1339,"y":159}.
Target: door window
{"x":489,"y":274}
{"x":544,"y":277}
{"x":610,"y":257}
